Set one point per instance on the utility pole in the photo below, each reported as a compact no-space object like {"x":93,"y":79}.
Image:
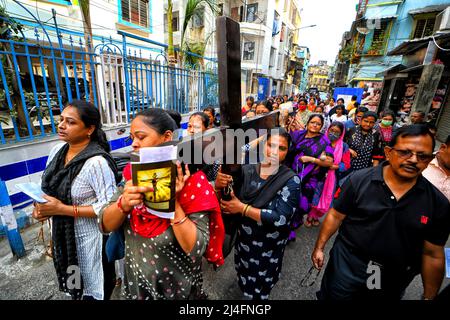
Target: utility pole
{"x":9,"y":222}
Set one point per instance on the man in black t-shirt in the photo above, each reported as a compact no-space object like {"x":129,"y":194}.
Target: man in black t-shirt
{"x":393,"y":224}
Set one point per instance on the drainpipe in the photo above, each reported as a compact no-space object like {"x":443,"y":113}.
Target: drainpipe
{"x":9,"y":222}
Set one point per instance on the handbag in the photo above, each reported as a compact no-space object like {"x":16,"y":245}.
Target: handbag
{"x":231,"y":223}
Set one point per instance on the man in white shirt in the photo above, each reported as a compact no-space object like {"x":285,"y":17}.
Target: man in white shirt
{"x":438,"y":171}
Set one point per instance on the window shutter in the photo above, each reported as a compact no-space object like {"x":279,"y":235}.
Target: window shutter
{"x":420,"y":27}
{"x":143,"y":13}
{"x":125,"y":9}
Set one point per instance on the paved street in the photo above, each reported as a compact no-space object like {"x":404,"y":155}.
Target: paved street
{"x":33,"y":277}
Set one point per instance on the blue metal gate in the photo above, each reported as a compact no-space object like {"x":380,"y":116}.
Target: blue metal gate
{"x":42,"y":69}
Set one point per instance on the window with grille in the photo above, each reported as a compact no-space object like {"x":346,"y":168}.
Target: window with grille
{"x":249,"y":50}
{"x":272,"y":57}
{"x":424,"y":28}
{"x":280,"y":61}
{"x":198,"y":19}
{"x":136,"y":12}
{"x":380,"y":37}
{"x":175,"y":21}
{"x":252,"y":12}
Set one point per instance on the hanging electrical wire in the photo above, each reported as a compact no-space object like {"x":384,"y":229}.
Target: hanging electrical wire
{"x":439,"y":47}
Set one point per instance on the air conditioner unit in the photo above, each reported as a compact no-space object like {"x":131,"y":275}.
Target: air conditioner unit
{"x":442,"y":21}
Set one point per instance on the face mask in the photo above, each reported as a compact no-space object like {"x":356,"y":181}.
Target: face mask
{"x":302,"y":108}
{"x":386,"y":123}
{"x":333,"y":137}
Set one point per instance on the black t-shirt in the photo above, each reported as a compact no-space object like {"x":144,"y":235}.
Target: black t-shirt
{"x":385,"y":230}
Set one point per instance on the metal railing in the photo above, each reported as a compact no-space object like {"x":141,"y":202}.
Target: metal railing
{"x":40,"y":74}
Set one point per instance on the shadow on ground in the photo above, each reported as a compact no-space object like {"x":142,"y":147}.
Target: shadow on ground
{"x":33,"y":277}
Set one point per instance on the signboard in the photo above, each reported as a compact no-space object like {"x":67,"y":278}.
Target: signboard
{"x":347,"y":93}
{"x":300,"y":54}
{"x":263,"y":88}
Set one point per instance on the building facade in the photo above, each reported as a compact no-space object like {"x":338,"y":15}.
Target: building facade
{"x":199,"y":36}
{"x":319,"y":76}
{"x":379,"y":27}
{"x":269,"y":35}
{"x":420,"y":82}
{"x":305,"y":55}
{"x":121,"y":67}
{"x":141,"y":17}
{"x":383,"y":26}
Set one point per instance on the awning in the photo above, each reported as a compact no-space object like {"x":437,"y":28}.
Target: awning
{"x":381,"y":12}
{"x":394,"y":69}
{"x":416,"y":44}
{"x":429,"y":9}
{"x":409,"y":46}
{"x":414,"y":68}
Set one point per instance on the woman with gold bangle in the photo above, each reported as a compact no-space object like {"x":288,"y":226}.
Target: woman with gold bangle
{"x":267,"y":202}
{"x":163,"y":257}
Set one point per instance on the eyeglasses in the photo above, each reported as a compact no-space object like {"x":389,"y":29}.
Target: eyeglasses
{"x":310,"y":278}
{"x":421,"y":157}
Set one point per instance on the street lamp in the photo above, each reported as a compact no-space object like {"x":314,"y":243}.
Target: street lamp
{"x":310,"y":26}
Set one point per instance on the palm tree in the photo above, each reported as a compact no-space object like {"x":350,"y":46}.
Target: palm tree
{"x":87,"y":26}
{"x":170,"y":49}
{"x":199,"y":48}
{"x":194,"y":8}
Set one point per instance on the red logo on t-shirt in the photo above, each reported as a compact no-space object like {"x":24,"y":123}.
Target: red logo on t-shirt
{"x":424,"y":220}
{"x":338,"y":192}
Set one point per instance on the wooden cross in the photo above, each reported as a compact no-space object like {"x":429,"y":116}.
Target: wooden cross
{"x":229,"y":75}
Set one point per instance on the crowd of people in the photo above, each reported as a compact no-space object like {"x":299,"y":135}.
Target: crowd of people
{"x":342,"y":167}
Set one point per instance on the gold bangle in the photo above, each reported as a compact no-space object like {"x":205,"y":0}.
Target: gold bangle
{"x":247,"y":210}
{"x":179,"y":221}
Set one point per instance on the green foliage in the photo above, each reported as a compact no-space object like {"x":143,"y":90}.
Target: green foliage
{"x":9,"y":28}
{"x":346,"y":53}
{"x":193,"y":8}
{"x":197,"y":48}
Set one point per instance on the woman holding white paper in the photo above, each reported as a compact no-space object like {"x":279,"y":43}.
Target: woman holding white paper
{"x":163,"y":257}
{"x":79,"y":180}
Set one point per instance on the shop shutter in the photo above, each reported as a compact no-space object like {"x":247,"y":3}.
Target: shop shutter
{"x":444,"y":122}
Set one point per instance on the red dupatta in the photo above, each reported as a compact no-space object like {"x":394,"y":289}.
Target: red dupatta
{"x":197,"y":195}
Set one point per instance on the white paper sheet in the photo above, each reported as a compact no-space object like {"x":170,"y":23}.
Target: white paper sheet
{"x":157,"y":154}
{"x":33,"y":190}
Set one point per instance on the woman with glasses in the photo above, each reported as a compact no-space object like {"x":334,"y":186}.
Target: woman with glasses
{"x":364,"y":143}
{"x":311,"y":156}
